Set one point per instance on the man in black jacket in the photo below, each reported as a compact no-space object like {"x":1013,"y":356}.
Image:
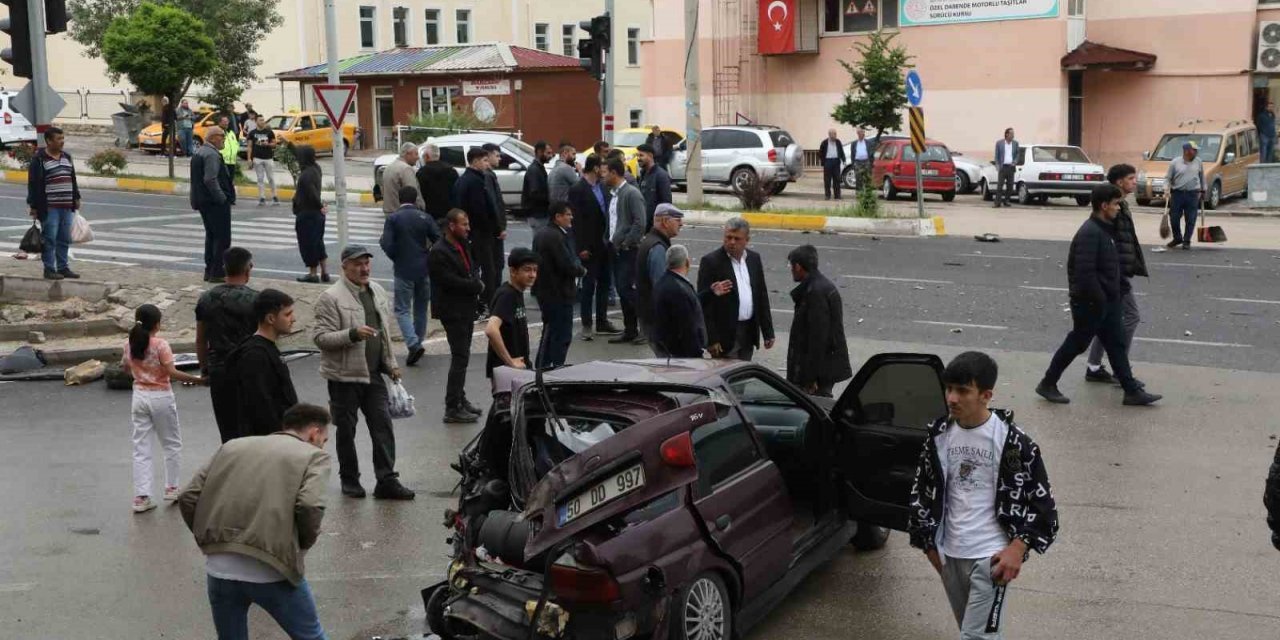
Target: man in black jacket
{"x":589,"y":199}
{"x":472,"y":197}
{"x":493,"y":277}
{"x":817,"y":355}
{"x":455,"y":287}
{"x":213,"y":194}
{"x":407,"y":234}
{"x":661,"y":148}
{"x":558,"y":271}
{"x":436,"y":181}
{"x":1271,"y":499}
{"x":678,"y":331}
{"x":654,"y":183}
{"x":1096,"y":286}
{"x":263,"y":384}
{"x":1131,"y":264}
{"x":53,"y":197}
{"x":536,"y":194}
{"x":737,"y":309}
{"x":225,"y":318}
{"x":831,"y":151}
{"x":651,"y":266}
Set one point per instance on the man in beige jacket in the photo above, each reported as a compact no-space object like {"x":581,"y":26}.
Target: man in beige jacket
{"x":400,"y":174}
{"x":255,"y":508}
{"x":351,"y":329}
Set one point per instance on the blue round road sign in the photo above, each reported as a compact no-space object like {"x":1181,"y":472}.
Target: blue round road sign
{"x":915,"y":88}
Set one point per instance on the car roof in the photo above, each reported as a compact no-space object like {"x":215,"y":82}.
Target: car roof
{"x":1210,"y":126}
{"x":482,"y":138}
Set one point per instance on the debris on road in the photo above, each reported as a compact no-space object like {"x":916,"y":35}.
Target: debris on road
{"x":36,"y":337}
{"x":1186,"y":333}
{"x":987,"y":237}
{"x":85,"y":372}
{"x":957,"y":330}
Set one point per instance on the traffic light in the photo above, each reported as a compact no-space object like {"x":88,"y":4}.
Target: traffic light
{"x":55,"y":16}
{"x":18,"y":53}
{"x":591,"y":50}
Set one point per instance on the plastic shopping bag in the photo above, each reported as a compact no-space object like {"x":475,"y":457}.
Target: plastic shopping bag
{"x":399,"y":402}
{"x":81,"y":232}
{"x":32,"y":240}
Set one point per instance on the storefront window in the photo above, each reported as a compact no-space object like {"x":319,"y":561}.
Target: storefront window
{"x":859,"y":16}
{"x":436,"y":100}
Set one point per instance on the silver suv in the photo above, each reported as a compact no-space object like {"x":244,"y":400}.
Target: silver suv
{"x":736,"y":155}
{"x":516,"y":157}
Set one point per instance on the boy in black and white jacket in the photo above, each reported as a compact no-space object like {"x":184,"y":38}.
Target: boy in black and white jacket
{"x":981,"y":500}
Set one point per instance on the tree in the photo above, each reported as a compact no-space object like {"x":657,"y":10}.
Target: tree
{"x":877,"y":93}
{"x":236,"y":27}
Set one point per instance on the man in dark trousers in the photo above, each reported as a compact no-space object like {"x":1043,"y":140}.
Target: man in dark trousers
{"x":495,"y":269}
{"x":508,"y":326}
{"x":1131,"y":264}
{"x":1271,"y":499}
{"x":559,"y":269}
{"x":224,"y":318}
{"x":473,"y":198}
{"x":436,"y":182}
{"x":407,"y":234}
{"x":1266,"y":123}
{"x":589,"y":199}
{"x":536,"y":194}
{"x":651,"y":265}
{"x":654,"y":183}
{"x":678,"y":332}
{"x":455,"y":289}
{"x":817,"y":355}
{"x":831,"y":150}
{"x":625,"y":231}
{"x":213,"y":195}
{"x":264,"y":387}
{"x":1097,"y":291}
{"x":661,"y":149}
{"x":1006,"y":159}
{"x":53,"y":197}
{"x":736,"y":298}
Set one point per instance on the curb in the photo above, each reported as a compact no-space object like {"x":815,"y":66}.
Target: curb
{"x":921,"y":227}
{"x":165,"y":187}
{"x":108,"y":355}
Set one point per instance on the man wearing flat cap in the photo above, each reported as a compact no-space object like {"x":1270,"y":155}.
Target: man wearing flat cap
{"x":651,"y":265}
{"x":352,"y":331}
{"x":1184,"y":182}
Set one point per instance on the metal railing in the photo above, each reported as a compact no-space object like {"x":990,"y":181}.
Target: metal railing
{"x":92,"y":104}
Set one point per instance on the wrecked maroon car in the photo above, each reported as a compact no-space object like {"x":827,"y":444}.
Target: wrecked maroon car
{"x":674,"y":499}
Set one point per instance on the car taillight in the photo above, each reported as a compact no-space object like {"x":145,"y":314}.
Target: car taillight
{"x":1094,"y":177}
{"x":1050,"y":176}
{"x":773,"y":155}
{"x":8,"y":118}
{"x":677,"y":451}
{"x":572,"y":582}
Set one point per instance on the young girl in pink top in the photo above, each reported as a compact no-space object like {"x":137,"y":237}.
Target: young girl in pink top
{"x":150,"y":360}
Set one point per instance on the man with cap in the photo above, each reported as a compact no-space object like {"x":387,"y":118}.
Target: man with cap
{"x":1184,"y":182}
{"x":651,"y":265}
{"x":352,"y":331}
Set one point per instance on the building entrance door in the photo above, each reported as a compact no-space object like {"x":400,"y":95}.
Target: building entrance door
{"x":384,"y":114}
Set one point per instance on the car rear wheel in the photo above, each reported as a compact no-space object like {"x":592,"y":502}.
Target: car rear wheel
{"x":888,"y":190}
{"x":849,"y":178}
{"x":702,"y":610}
{"x":870,"y":537}
{"x":779,"y":187}
{"x":962,"y":182}
{"x":1144,"y":202}
{"x":986,"y":191}
{"x":1024,"y":194}
{"x":948,"y":196}
{"x":742,"y":178}
{"x":1082,"y":201}
{"x":1215,"y":197}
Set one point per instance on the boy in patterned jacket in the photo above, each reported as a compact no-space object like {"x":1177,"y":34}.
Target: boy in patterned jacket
{"x":981,"y":500}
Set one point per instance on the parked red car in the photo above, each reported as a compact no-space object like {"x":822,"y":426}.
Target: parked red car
{"x":671,"y":499}
{"x":895,"y":169}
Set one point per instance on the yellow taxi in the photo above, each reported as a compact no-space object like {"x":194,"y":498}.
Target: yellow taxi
{"x":150,"y":141}
{"x":628,"y":139}
{"x":310,"y":128}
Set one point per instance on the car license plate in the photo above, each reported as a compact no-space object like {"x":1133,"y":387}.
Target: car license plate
{"x":597,"y":496}
{"x":1073,"y":176}
{"x":930,"y":172}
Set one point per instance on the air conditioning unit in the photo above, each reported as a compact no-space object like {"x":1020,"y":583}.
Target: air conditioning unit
{"x":1268,"y":47}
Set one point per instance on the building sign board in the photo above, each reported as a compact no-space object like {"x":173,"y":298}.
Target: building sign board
{"x":486,"y":87}
{"x":919,"y":13}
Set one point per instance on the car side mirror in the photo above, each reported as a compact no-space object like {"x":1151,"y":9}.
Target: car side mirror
{"x":1231,"y":157}
{"x":515,"y":166}
{"x":1146,"y":155}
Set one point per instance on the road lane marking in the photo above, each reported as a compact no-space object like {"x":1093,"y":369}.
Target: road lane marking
{"x":189,"y":242}
{"x":1044,"y":288}
{"x":16,"y":587}
{"x":76,"y":252}
{"x":888,"y":279}
{"x":1201,"y":266}
{"x":994,"y":327}
{"x":992,"y":255}
{"x":1197,"y":343}
{"x":1247,"y":300}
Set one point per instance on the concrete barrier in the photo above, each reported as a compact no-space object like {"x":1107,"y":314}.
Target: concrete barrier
{"x":39,"y":289}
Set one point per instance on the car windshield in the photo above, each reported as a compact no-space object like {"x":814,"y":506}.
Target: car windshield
{"x":781,"y":139}
{"x":630,"y":138}
{"x":281,"y":123}
{"x":1059,"y":154}
{"x":932,"y":153}
{"x":1170,"y":146}
{"x":518,"y":147}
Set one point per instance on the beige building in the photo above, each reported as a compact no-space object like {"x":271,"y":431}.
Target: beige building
{"x":378,"y":25}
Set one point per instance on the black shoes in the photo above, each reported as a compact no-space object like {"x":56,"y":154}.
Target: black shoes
{"x":607,"y":328}
{"x":352,"y":488}
{"x":1186,"y":246}
{"x":414,"y":356}
{"x":1173,"y":243}
{"x":1050,"y":392}
{"x":52,"y":275}
{"x":471,"y":408}
{"x":1140,"y":398}
{"x":624,"y":338}
{"x":392,"y":490}
{"x":68,"y":273}
{"x":215,"y":279}
{"x":1100,"y":375}
{"x":459,"y":415}
{"x":310,"y":278}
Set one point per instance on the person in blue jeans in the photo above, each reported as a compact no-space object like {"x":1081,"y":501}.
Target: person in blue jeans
{"x":1185,"y":183}
{"x":1266,"y":123}
{"x":53,"y":197}
{"x":407,"y":235}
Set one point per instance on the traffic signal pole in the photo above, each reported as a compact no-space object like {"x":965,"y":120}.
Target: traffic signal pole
{"x":609,"y":75}
{"x":692,"y":105}
{"x":39,"y":67}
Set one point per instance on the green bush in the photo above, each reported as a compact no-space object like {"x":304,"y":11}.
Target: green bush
{"x":868,"y":200}
{"x":286,"y":158}
{"x":108,"y":162}
{"x":22,"y":154}
{"x":440,"y":124}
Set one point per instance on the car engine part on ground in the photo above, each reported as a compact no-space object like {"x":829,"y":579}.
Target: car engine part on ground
{"x":85,"y":372}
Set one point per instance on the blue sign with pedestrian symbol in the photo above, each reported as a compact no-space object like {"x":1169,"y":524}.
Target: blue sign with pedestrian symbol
{"x":915,"y":88}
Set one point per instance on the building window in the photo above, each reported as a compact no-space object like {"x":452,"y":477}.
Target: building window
{"x":400,"y":26}
{"x":1075,"y":8}
{"x":859,"y":16}
{"x":541,"y":36}
{"x":636,"y":116}
{"x":367,"y":39}
{"x":463,"y":18}
{"x":569,"y":46}
{"x":436,"y":100}
{"x":432,"y":30}
{"x":633,"y":46}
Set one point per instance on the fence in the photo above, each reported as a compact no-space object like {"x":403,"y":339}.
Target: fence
{"x":92,"y":105}
{"x":420,"y":134}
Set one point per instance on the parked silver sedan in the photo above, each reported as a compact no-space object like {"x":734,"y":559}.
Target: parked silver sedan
{"x":517,"y":155}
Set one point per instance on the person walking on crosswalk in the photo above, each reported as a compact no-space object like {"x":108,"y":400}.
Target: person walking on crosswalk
{"x":213,"y":194}
{"x":309,"y":212}
{"x":262,"y":153}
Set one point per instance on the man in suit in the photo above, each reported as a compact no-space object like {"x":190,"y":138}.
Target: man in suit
{"x":864,"y":154}
{"x":625,"y":231}
{"x":472,"y":196}
{"x":436,"y":181}
{"x":651,"y":264}
{"x":817,"y":354}
{"x":558,"y":271}
{"x":455,"y":287}
{"x":1007,"y":164}
{"x":589,"y":199}
{"x":731,"y":280}
{"x":661,"y":150}
{"x":678,"y":331}
{"x":536,"y":194}
{"x":831,"y":150}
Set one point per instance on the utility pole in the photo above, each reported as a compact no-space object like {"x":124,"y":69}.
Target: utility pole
{"x":39,"y":66}
{"x":611,"y":59}
{"x":339,"y":143}
{"x":692,"y":105}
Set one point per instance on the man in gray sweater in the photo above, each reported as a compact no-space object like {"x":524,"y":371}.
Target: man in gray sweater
{"x":564,"y":175}
{"x":625,"y":231}
{"x":398,"y":175}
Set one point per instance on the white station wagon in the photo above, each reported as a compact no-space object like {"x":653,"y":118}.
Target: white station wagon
{"x":1048,"y":171}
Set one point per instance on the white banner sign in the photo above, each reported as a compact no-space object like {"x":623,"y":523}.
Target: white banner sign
{"x":917,"y":13}
{"x":486,"y":87}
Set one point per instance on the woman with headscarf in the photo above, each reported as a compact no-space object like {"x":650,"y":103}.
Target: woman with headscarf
{"x":309,"y":211}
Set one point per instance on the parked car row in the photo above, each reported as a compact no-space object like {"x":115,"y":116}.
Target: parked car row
{"x":295,"y":127}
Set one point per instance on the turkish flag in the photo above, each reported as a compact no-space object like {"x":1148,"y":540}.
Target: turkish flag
{"x":777,"y":26}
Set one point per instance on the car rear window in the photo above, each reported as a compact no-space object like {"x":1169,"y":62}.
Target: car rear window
{"x":932,"y":153}
{"x":781,"y":139}
{"x":1059,"y":154}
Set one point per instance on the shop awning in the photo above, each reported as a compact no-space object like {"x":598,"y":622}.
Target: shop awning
{"x":1093,"y":55}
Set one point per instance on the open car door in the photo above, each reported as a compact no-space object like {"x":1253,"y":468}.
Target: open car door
{"x":882,"y":421}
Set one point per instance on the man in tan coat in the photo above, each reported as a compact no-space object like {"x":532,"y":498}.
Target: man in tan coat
{"x":351,"y":328}
{"x":255,"y":508}
{"x":400,"y":174}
